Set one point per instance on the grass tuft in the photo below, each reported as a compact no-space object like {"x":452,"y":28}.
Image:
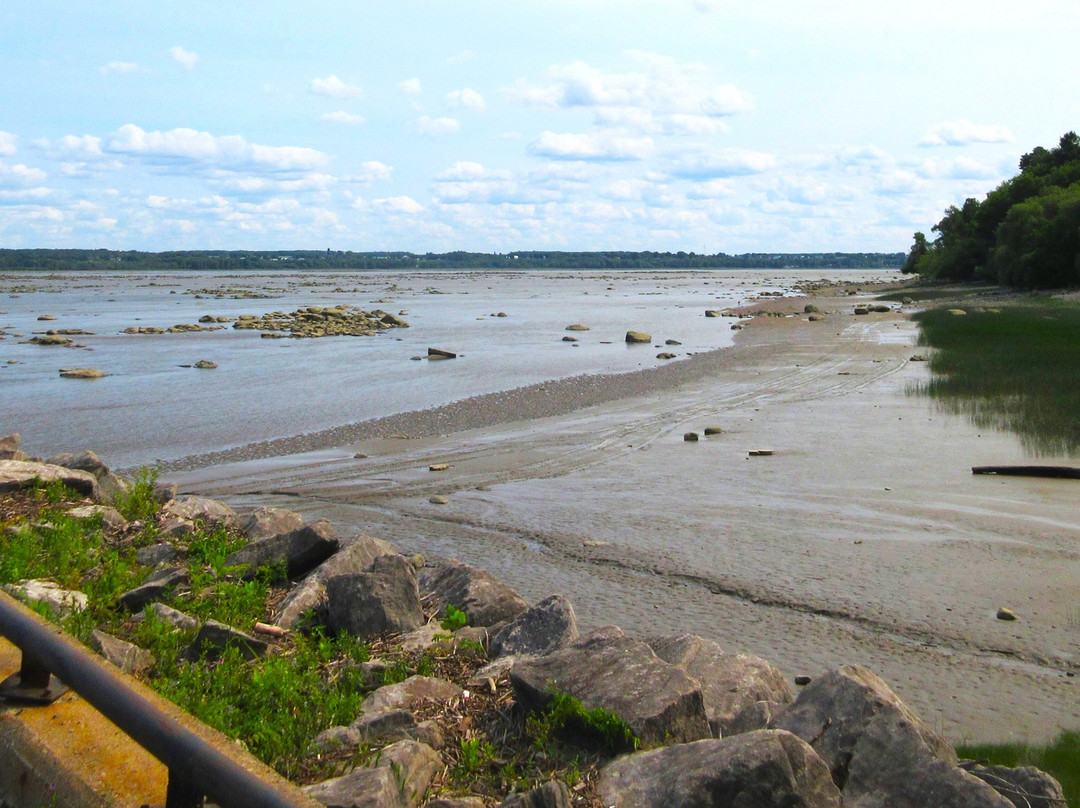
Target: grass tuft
{"x":1060,"y":759}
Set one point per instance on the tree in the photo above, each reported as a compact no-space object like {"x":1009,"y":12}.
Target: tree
{"x":918,"y":250}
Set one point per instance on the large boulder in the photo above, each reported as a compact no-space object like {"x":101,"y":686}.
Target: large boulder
{"x":214,"y":638}
{"x":762,"y":768}
{"x":399,"y":777}
{"x":484,"y":599}
{"x":833,"y":711}
{"x":356,"y":555}
{"x":127,"y":657}
{"x":209,"y":512}
{"x":659,"y":702}
{"x":110,"y":485}
{"x":50,"y":593}
{"x":541,"y":629}
{"x":892,"y":765}
{"x":299,"y":550}
{"x":729,"y":682}
{"x":9,"y":447}
{"x":17,"y":474}
{"x":262,"y":523}
{"x":157,"y":586}
{"x":384,"y":600}
{"x":1024,"y":786}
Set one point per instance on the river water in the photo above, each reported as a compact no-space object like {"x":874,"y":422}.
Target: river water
{"x":150,"y":408}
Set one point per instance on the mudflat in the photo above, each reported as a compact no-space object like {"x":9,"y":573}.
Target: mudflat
{"x":860,"y":535}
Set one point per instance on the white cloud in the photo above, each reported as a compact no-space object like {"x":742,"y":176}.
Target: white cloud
{"x":84,"y":147}
{"x":399,"y":204}
{"x":185,"y":58}
{"x":711,"y":189}
{"x":437,"y":126}
{"x":229,"y":151}
{"x":467,"y":98}
{"x":963,"y":132}
{"x":334,"y":87}
{"x":726,"y":163}
{"x":262,"y":186}
{"x":19,"y":175}
{"x":467,"y":171}
{"x":7,"y":143}
{"x":341,"y":116}
{"x":410,"y":86}
{"x":962,"y":168}
{"x":587,"y":146}
{"x":371,"y":171}
{"x":665,"y":87}
{"x":459,"y":57}
{"x":122,"y":67}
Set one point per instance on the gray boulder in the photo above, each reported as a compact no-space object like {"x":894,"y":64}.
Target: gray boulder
{"x":399,"y":778}
{"x":762,"y":768}
{"x":541,"y":629}
{"x":484,"y":599}
{"x":262,"y":523}
{"x":58,"y":599}
{"x":1024,"y":786}
{"x":299,"y":550}
{"x":210,"y":512}
{"x":155,"y":587}
{"x":552,"y":794}
{"x":658,"y":701}
{"x":110,"y":485}
{"x":384,"y":600}
{"x":729,"y":682}
{"x":406,"y":695}
{"x":110,"y":517}
{"x":160,"y":553}
{"x":892,"y":765}
{"x":834,"y":710}
{"x":129,"y":658}
{"x":17,"y":474}
{"x":174,"y":617}
{"x":356,"y":555}
{"x":164,"y":493}
{"x":214,"y":637}
{"x":9,"y":447}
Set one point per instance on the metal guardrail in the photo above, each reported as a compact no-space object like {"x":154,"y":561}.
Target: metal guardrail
{"x":196,"y":768}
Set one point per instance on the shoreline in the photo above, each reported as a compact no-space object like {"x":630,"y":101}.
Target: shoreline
{"x":864,"y":539}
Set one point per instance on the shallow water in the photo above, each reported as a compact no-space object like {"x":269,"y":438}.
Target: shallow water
{"x":150,"y":408}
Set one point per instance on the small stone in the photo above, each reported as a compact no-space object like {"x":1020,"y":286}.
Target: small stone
{"x":568,"y":338}
{"x":438,"y":467}
{"x":1005,"y":614}
{"x":577,"y":327}
{"x":638,"y":337}
{"x":665,"y":355}
{"x":760,"y":452}
{"x":802,"y":680}
{"x":713,"y":430}
{"x":712,"y":313}
{"x":359,"y":456}
{"x":439,"y":353}
{"x":205,"y":364}
{"x":919,"y":358}
{"x":81,"y":373}
{"x":438,"y":500}
{"x":690,"y":436}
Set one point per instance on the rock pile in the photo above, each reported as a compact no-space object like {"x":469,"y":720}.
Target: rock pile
{"x":706,"y":727}
{"x":315,"y":321}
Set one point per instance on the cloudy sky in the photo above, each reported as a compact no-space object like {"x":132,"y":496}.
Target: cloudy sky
{"x":500,"y":125}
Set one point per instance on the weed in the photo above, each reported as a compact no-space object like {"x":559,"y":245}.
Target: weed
{"x":566,"y":716}
{"x":138,"y":504}
{"x":475,"y":754}
{"x":454,"y":619}
{"x":1060,"y":758}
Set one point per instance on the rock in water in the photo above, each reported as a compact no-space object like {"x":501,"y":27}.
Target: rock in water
{"x":638,"y":337}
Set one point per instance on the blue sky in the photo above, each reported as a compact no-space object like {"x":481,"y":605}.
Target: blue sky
{"x":697,"y":125}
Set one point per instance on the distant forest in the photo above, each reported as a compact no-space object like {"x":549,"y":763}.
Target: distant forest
{"x":1025,"y":233}
{"x":83,"y":260}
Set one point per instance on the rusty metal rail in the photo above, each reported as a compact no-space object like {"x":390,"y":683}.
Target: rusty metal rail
{"x":196,"y":768}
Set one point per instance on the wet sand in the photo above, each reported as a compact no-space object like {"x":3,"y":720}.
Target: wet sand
{"x":864,"y":537}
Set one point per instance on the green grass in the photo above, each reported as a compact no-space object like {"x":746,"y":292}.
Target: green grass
{"x":566,"y":717}
{"x":1014,"y":369}
{"x":1060,"y":759}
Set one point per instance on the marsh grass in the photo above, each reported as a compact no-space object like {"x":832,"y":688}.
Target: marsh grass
{"x":1016,"y":368}
{"x":1060,"y":758}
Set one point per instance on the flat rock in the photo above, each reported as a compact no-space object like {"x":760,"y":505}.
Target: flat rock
{"x":729,"y":682}
{"x":484,"y":599}
{"x":408,"y":694}
{"x":60,"y":600}
{"x":16,"y":474}
{"x":214,"y":637}
{"x":129,"y":658}
{"x":763,"y":768}
{"x":660,"y":702}
{"x":262,"y":523}
{"x":300,"y":550}
{"x":174,"y":617}
{"x":540,"y":629}
{"x":834,"y":710}
{"x":384,"y":600}
{"x":356,"y":555}
{"x":110,"y":517}
{"x":155,"y":554}
{"x":400,"y":776}
{"x":156,"y":587}
{"x":82,"y":373}
{"x":385,"y":726}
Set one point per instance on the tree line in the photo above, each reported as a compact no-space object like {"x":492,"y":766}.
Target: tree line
{"x":1025,"y":233}
{"x":67,"y":260}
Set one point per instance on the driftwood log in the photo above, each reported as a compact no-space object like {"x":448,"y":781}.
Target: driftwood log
{"x":1060,"y":472}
